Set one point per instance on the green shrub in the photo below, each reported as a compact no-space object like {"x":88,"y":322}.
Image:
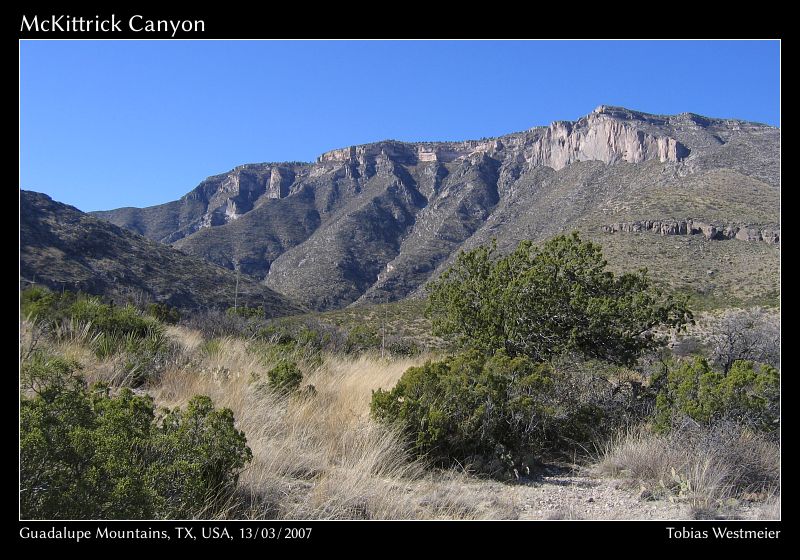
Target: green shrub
{"x":404,"y":347}
{"x":311,"y":338}
{"x":246,"y":312}
{"x":499,"y":414}
{"x":199,"y":455}
{"x":113,"y":321}
{"x":362,"y":337}
{"x":115,"y":324}
{"x":164,"y":313}
{"x":306,"y":336}
{"x":47,"y":307}
{"x":275,"y":334}
{"x":748,"y":394}
{"x":47,"y":375}
{"x":88,"y":454}
{"x":307,"y":345}
{"x":284,"y":377}
{"x":36,"y":302}
{"x":543,"y":301}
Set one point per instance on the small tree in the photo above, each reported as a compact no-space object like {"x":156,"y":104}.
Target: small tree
{"x":543,"y":301}
{"x":362,"y":338}
{"x":198,"y":455}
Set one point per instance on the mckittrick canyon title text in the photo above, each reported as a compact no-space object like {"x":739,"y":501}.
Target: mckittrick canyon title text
{"x":113,"y":24}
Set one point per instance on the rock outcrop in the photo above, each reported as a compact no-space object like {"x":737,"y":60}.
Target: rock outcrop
{"x":601,"y":137}
{"x":768,"y":234}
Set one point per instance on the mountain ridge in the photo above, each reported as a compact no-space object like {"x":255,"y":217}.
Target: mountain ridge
{"x":277,"y":187}
{"x":374,"y":222}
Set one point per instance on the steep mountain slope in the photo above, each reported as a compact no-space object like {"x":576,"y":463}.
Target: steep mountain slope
{"x":61,"y":247}
{"x":374,"y":223}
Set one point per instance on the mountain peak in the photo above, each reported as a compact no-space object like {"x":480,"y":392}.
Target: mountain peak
{"x":625,"y":114}
{"x":605,"y":108}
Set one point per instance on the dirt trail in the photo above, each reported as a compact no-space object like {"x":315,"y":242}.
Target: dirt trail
{"x":565,"y":494}
{"x":562,"y":496}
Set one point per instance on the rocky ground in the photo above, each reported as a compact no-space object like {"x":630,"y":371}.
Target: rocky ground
{"x":572,"y":496}
{"x":562,"y":493}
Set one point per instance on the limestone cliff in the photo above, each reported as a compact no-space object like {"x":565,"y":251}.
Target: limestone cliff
{"x":600,"y":136}
{"x":715,"y":231}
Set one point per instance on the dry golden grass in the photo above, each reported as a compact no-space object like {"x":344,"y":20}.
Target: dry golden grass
{"x":320,"y":455}
{"x":709,"y":469}
{"x":316,"y":455}
{"x":771,"y":508}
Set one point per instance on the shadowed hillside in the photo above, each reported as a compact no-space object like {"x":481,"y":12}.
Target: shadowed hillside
{"x":64,"y":248}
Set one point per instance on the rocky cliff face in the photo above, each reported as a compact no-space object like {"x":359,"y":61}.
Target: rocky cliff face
{"x":600,"y":136}
{"x":216,"y":201}
{"x":375,"y":222}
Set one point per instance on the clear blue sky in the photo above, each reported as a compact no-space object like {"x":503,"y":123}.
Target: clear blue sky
{"x":106,"y":124}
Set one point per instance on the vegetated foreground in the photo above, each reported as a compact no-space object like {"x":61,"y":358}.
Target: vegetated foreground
{"x":622,"y":430}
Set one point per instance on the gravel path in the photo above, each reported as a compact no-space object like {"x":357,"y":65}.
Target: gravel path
{"x":565,"y":494}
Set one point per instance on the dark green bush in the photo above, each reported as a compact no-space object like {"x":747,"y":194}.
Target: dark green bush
{"x":362,"y":337}
{"x":498,"y":414}
{"x":404,"y":347}
{"x":200,"y":454}
{"x":307,"y":336}
{"x":113,"y":321}
{"x":164,"y":313}
{"x":748,"y":394}
{"x":36,"y":302}
{"x":284,"y":377}
{"x":105,"y":320}
{"x":311,"y":338}
{"x":46,"y":307}
{"x":275,"y":334}
{"x":86,"y":453}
